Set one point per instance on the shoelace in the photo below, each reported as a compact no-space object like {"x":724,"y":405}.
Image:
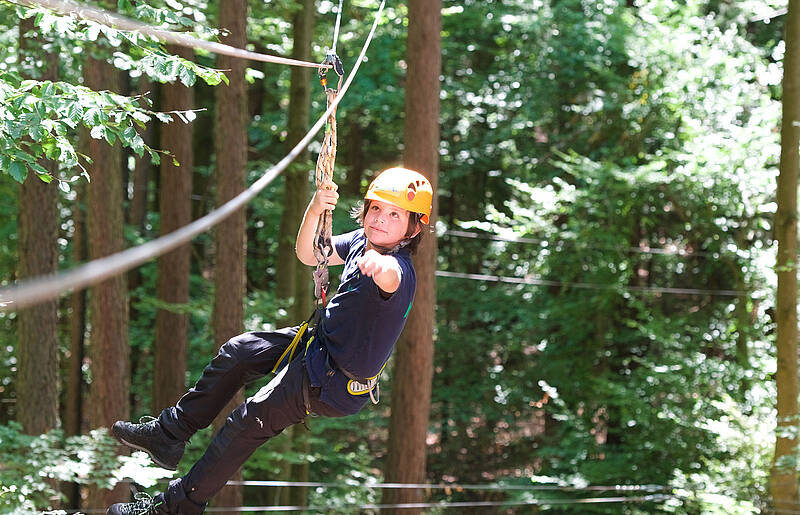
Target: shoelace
{"x":143,"y":504}
{"x":146,"y":419}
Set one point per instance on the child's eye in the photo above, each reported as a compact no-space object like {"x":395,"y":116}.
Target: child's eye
{"x":395,"y":214}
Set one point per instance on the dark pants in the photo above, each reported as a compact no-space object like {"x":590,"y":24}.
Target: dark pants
{"x":273,"y":408}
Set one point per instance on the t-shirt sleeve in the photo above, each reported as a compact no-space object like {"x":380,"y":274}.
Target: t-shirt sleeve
{"x":407,"y":280}
{"x":343,"y":242}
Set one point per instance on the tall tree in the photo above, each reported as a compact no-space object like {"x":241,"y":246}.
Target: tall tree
{"x":783,"y":476}
{"x":136,"y":214}
{"x":230,"y":236}
{"x":108,"y":301}
{"x":72,"y":404}
{"x":175,"y":201}
{"x":293,"y":279}
{"x":37,"y":387}
{"x":411,"y":390}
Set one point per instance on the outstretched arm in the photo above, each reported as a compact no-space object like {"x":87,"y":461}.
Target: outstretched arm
{"x":384,"y":270}
{"x":325,"y":198}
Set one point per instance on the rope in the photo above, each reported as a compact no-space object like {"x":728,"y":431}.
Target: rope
{"x":27,"y":293}
{"x":323,"y":174}
{"x":591,"y":286}
{"x":336,"y":30}
{"x":70,"y":8}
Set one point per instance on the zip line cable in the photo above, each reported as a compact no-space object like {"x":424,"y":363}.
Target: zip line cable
{"x":455,"y":504}
{"x":590,"y":286}
{"x":566,"y":284}
{"x":464,"y":504}
{"x":638,"y":250}
{"x":72,"y":8}
{"x":459,"y":487}
{"x":30,"y":292}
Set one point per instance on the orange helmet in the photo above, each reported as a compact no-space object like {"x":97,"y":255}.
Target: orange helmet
{"x":403,"y":188}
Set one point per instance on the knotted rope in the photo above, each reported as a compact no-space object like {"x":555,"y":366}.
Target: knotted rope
{"x":324,"y":179}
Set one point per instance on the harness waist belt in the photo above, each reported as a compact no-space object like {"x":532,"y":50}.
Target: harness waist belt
{"x":331,"y":365}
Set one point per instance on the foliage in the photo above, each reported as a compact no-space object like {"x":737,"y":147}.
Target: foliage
{"x":33,"y":465}
{"x":597,"y":143}
{"x":40,"y":118}
{"x":39,"y":115}
{"x":619,"y":157}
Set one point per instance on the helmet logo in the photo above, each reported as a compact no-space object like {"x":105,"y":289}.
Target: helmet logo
{"x":411,"y":192}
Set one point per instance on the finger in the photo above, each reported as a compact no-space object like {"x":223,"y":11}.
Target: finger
{"x":328,"y":186}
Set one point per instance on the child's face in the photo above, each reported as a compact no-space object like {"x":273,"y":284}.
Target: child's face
{"x":385,"y":224}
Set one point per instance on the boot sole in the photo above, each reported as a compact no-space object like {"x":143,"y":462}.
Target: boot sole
{"x":139,"y":448}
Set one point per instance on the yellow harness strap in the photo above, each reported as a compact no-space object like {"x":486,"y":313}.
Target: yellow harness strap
{"x":292,"y":346}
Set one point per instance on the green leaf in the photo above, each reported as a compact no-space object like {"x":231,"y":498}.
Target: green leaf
{"x":97,"y":132}
{"x":137,"y":145}
{"x":50,"y":149}
{"x":109,"y":135}
{"x":155,"y":158}
{"x":187,"y":76}
{"x":18,"y":171}
{"x":128,"y":135}
{"x":48,"y":91}
{"x":43,"y":174}
{"x":37,"y":132}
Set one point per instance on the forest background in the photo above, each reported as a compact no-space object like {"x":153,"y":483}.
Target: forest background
{"x":605,"y":292}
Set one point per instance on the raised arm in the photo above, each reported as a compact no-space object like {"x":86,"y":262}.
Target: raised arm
{"x":324,"y":198}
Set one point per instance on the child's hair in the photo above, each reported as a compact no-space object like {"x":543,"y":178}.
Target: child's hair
{"x":359,"y":211}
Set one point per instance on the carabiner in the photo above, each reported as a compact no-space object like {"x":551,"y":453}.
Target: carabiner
{"x":333,"y":60}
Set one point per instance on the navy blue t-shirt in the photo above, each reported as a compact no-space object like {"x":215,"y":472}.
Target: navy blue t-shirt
{"x":359,"y":327}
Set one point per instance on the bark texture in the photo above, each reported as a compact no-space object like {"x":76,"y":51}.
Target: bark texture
{"x":108,"y":304}
{"x":411,"y":390}
{"x":783,"y":477}
{"x":37,"y":342}
{"x":230,"y":235}
{"x":175,"y":206}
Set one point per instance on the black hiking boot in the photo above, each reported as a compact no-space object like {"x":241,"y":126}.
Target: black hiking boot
{"x":142,"y":505}
{"x":149,"y":437}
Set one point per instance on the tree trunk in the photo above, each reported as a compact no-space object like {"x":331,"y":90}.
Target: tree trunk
{"x":37,"y":342}
{"x":171,"y":339}
{"x":74,"y":387}
{"x":293,"y":280}
{"x":411,"y":390}
{"x":230,"y":236}
{"x":783,"y":476}
{"x":108,"y":348}
{"x":355,"y":156}
{"x":137,"y":208}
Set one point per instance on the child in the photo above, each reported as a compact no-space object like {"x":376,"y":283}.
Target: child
{"x":332,"y":376}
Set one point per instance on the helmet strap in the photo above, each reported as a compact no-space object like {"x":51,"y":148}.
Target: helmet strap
{"x":387,"y":250}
